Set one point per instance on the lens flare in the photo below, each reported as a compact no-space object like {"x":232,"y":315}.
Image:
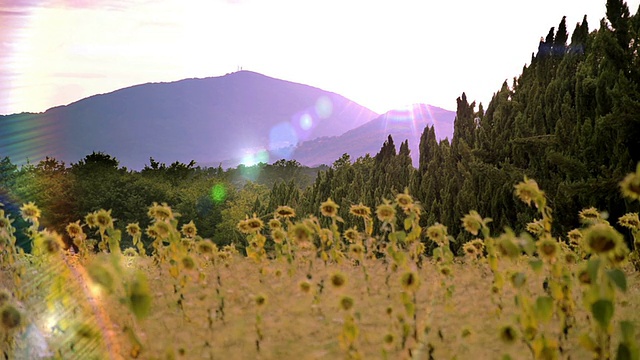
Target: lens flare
{"x":306,"y":122}
{"x":324,"y":107}
{"x":218,"y":193}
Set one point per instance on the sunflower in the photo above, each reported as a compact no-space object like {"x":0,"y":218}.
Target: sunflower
{"x":275,"y":224}
{"x":189,"y":230}
{"x":50,"y":243}
{"x":360,"y":210}
{"x":90,"y":220}
{"x":508,"y":334}
{"x":589,"y":216}
{"x":206,"y":247}
{"x":74,"y":230}
{"x":133,"y":229}
{"x":602,"y":239}
{"x":528,"y":191}
{"x":104,"y":219}
{"x":410,"y":281}
{"x":386,"y":212}
{"x":548,"y":248}
{"x":438,"y":234}
{"x":285,"y":212}
{"x":300,"y":233}
{"x":404,"y":200}
{"x":472,"y":222}
{"x":30,"y":212}
{"x":329,"y":208}
{"x":630,"y":185}
{"x":254,"y":224}
{"x":338,"y":280}
{"x":160,"y":212}
{"x":346,"y":303}
{"x":630,"y":221}
{"x":351,"y":235}
{"x":261,"y":300}
{"x":10,"y":317}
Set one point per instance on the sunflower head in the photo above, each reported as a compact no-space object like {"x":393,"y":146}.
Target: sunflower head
{"x":254,"y":224}
{"x":133,"y":229}
{"x":351,"y":235}
{"x":360,"y":210}
{"x":90,"y":220}
{"x":261,"y":300}
{"x":10,"y":317}
{"x":630,"y":185}
{"x":104,"y":219}
{"x":338,"y":280}
{"x":50,"y":243}
{"x":74,"y":230}
{"x":275,"y":224}
{"x":300,"y":233}
{"x":346,"y":303}
{"x":630,"y":221}
{"x":189,"y":230}
{"x":161,"y":212}
{"x":30,"y":212}
{"x":470,"y":250}
{"x":404,"y":200}
{"x":284,"y":212}
{"x":438,"y":234}
{"x":472,"y":222}
{"x":602,"y":239}
{"x":536,"y":227}
{"x":548,"y":248}
{"x":410,"y":281}
{"x":5,"y":296}
{"x":278,"y":235}
{"x":590,"y":216}
{"x":305,"y":286}
{"x":508,"y":334}
{"x":386,"y":212}
{"x":329,"y":208}
{"x":206,"y":247}
{"x":528,"y":191}
{"x":575,"y":238}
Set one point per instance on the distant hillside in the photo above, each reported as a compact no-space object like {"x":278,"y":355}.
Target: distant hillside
{"x":206,"y":120}
{"x":406,"y":124}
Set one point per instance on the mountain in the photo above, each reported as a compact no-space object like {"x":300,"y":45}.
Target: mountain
{"x":405,"y":124}
{"x":207,"y":120}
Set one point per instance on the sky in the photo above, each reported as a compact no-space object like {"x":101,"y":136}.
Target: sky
{"x":381,"y":54}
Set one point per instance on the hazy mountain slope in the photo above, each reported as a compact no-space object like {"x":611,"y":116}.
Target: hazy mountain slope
{"x":406,"y":124}
{"x":207,"y":120}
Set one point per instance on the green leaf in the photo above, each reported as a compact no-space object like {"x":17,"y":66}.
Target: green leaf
{"x":587,"y":342}
{"x":518,"y":279}
{"x":139,"y":296}
{"x":398,"y":236}
{"x":628,"y":330}
{"x":623,"y":353}
{"x":593,"y":265}
{"x":544,"y":308}
{"x":618,"y":278}
{"x":602,"y":311}
{"x":407,"y":224}
{"x":528,"y":244}
{"x":536,"y":265}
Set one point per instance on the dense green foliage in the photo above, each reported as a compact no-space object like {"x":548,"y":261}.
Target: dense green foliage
{"x":571,"y":120}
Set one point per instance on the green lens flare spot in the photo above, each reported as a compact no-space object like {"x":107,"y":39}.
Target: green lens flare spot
{"x":218,"y":193}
